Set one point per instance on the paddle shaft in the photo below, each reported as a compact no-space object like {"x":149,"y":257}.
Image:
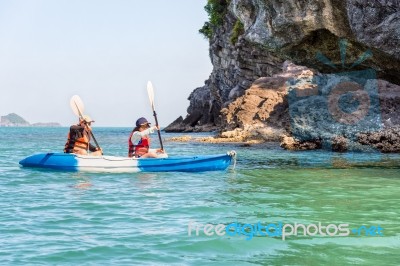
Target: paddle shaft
{"x":91,"y":133}
{"x":95,"y":141}
{"x":158,"y":131}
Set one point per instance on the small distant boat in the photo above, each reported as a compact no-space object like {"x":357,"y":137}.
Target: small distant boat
{"x":74,"y":162}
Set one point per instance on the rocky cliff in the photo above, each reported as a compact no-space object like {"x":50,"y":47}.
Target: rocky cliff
{"x":261,"y":50}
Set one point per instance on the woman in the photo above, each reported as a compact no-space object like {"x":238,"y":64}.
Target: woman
{"x":79,"y":138}
{"x":139,"y":140}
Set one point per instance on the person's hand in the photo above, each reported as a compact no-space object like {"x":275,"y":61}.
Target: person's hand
{"x":160,"y":151}
{"x":99,"y":150}
{"x":156,"y":127}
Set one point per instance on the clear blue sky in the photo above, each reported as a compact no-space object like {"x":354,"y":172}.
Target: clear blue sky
{"x":104,"y":51}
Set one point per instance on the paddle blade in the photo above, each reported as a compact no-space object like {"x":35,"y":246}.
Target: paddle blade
{"x":77,"y":105}
{"x":150,"y":92}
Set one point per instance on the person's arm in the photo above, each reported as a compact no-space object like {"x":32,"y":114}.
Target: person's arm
{"x":92,"y":148}
{"x":87,"y":130}
{"x":145,"y":132}
{"x":137,"y":135}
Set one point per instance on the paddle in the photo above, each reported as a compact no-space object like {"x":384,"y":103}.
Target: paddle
{"x":150,"y":92}
{"x":78,"y":109}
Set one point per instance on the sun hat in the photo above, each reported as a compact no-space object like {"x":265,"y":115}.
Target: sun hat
{"x":141,"y":121}
{"x":87,"y":119}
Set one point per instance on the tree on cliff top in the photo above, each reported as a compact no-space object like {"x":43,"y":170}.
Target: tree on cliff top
{"x":216,"y":10}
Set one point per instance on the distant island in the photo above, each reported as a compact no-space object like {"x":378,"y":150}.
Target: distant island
{"x":14,"y":120}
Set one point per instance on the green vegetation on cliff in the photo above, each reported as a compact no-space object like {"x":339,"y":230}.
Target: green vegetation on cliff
{"x":216,"y":10}
{"x":238,"y":29}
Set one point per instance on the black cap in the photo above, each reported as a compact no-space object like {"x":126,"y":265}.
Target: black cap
{"x":141,"y":121}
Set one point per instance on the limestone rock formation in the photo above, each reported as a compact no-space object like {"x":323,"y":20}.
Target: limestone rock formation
{"x":340,"y":144}
{"x":340,"y":108}
{"x":290,"y":143}
{"x":263,"y":109}
{"x":385,"y":141}
{"x":334,"y":42}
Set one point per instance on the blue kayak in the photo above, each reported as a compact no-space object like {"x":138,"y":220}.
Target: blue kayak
{"x":74,"y":162}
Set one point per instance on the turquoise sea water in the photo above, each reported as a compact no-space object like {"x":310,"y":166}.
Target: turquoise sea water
{"x":63,"y":218}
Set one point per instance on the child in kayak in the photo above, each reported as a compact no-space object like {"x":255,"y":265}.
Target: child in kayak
{"x":139,"y":140}
{"x":79,"y":138}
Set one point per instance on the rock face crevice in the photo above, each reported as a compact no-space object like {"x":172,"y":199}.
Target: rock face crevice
{"x":248,"y":87}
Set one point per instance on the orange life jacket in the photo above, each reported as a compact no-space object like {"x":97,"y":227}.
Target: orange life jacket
{"x":141,"y":148}
{"x":79,"y":141}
